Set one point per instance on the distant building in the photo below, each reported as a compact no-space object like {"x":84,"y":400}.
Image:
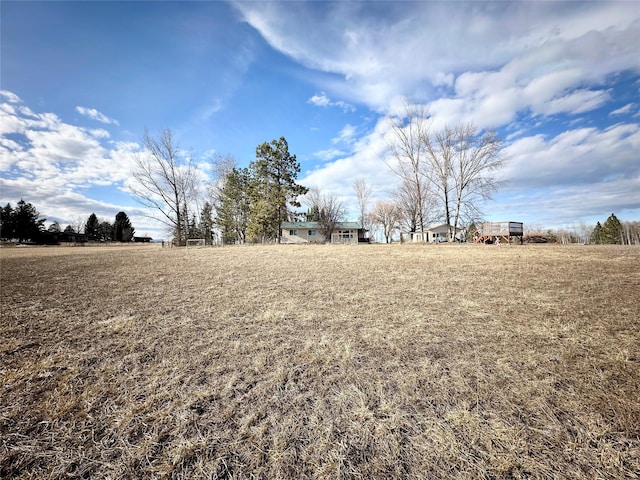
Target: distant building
{"x":142,"y":239}
{"x":311,"y":232}
{"x":434,"y":234}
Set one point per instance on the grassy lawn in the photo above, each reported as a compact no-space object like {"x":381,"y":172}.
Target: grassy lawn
{"x":369,"y":361}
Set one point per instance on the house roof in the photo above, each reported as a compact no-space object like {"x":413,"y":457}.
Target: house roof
{"x":318,"y":225}
{"x":441,"y":227}
{"x":437,"y":228}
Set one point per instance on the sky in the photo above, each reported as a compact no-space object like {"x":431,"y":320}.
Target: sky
{"x":558,"y":81}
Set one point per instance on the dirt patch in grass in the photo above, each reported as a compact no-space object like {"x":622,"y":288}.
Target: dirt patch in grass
{"x":369,"y":361}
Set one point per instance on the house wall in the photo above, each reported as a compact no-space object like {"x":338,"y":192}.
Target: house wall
{"x":302,"y":235}
{"x":426,"y":236}
{"x":350,"y":237}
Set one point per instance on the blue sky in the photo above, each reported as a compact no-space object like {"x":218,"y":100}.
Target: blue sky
{"x":559,"y":81}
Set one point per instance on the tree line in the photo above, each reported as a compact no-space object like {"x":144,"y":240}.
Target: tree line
{"x":443,"y":174}
{"x":611,"y":232}
{"x":23,"y":223}
{"x":245,"y":204}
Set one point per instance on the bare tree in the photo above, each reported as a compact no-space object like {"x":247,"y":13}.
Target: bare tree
{"x":325,"y":209}
{"x":166,"y":182}
{"x":407,"y":145}
{"x":222,"y":166}
{"x":461,"y":163}
{"x":78,"y":225}
{"x":387,"y":215}
{"x":631,"y":233}
{"x":363,"y":193}
{"x":408,"y":203}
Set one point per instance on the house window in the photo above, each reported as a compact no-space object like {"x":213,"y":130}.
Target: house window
{"x":293,"y":233}
{"x":312,"y":233}
{"x":345,"y":234}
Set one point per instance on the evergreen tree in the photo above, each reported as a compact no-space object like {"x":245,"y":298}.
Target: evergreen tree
{"x":206,"y":223}
{"x":105,"y":231}
{"x":69,"y":229}
{"x":122,"y":228}
{"x":7,"y":223}
{"x":275,"y":189}
{"x":54,"y":228}
{"x":612,"y":230}
{"x":26,"y":221}
{"x":192,"y":228}
{"x":313,"y":214}
{"x":596,"y":234}
{"x":263,"y":223}
{"x":92,"y":226}
{"x":232,"y":209}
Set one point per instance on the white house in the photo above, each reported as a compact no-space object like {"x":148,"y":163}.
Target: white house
{"x":311,"y":232}
{"x":435,"y":234}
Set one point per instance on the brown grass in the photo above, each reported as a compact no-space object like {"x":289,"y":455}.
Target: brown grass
{"x":371,"y":361}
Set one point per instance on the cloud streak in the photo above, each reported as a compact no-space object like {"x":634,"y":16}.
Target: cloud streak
{"x":322,"y":100}
{"x":94,"y":114}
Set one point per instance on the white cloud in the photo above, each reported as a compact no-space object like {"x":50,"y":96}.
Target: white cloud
{"x":482,"y":61}
{"x":626,"y":109}
{"x":346,"y":136}
{"x":328,"y":154}
{"x":322,"y":100}
{"x":366,"y":160}
{"x":10,"y":96}
{"x":396,"y":48}
{"x":581,"y":156}
{"x":559,"y":207}
{"x":96,"y":115}
{"x":54,"y":162}
{"x":578,"y":101}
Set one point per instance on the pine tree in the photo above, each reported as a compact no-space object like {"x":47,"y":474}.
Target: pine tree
{"x":206,"y":223}
{"x":192,"y":228}
{"x":26,"y":222}
{"x":275,"y":189}
{"x":612,"y":230}
{"x":92,"y":226}
{"x":122,"y":229}
{"x":313,"y":214}
{"x":7,"y":223}
{"x":596,"y":234}
{"x":232,"y":209}
{"x":105,"y":231}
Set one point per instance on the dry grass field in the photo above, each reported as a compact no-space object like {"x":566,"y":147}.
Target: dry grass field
{"x":294,"y":362}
